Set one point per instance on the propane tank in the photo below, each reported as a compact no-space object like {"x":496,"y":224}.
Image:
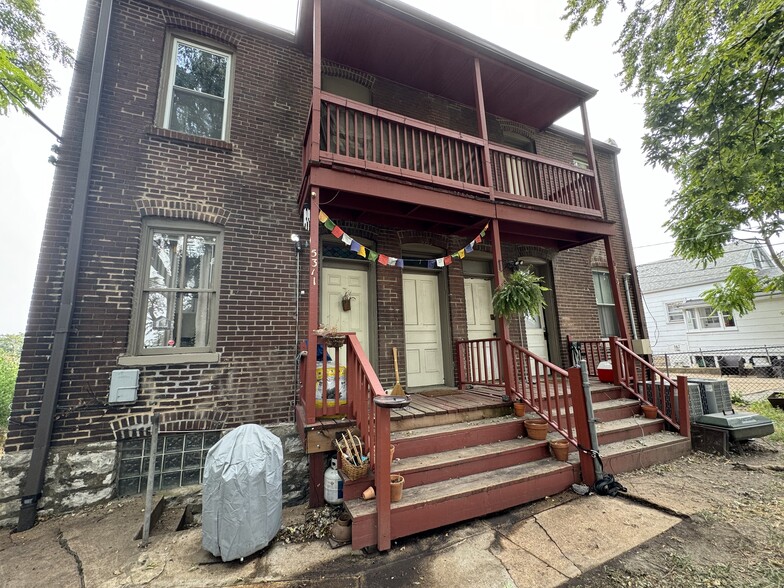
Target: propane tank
{"x":333,"y":484}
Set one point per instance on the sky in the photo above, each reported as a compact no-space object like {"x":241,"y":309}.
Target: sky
{"x":530,"y":28}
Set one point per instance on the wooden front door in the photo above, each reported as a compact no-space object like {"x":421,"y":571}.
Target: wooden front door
{"x":422,"y":312}
{"x":335,"y":283}
{"x":479,"y":316}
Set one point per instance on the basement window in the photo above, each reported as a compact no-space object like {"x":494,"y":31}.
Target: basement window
{"x":179,"y":461}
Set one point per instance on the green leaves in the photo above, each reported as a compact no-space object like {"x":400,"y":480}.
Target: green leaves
{"x":522,"y":293}
{"x":711,"y":73}
{"x":27,"y":50}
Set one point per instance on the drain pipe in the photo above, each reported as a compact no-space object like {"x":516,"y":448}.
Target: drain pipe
{"x":597,"y":466}
{"x":43,"y":432}
{"x":626,"y":278}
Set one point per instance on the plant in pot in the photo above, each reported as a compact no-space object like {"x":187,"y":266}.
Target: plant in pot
{"x":331,"y":336}
{"x":649,"y":410}
{"x":345,"y":302}
{"x":560,"y":449}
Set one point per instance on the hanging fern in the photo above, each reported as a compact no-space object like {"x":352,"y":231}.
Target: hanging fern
{"x":522,"y":293}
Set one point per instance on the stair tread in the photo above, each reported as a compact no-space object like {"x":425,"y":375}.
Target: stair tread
{"x":453,"y":488}
{"x":651,"y":440}
{"x":450,"y":428}
{"x":615,"y":403}
{"x":433,"y":460}
{"x":629,"y":422}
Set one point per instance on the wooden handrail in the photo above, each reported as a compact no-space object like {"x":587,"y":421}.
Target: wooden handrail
{"x":479,"y":363}
{"x":374,"y":427}
{"x":651,"y":385}
{"x":540,"y":159}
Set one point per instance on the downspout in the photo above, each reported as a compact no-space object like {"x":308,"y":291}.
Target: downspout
{"x":626,"y":278}
{"x":43,"y":432}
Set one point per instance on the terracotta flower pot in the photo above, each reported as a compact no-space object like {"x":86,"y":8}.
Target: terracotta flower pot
{"x":396,"y":482}
{"x":369,"y":493}
{"x":560,"y":449}
{"x":341,"y":529}
{"x":536,"y":428}
{"x":649,"y":411}
{"x":519,"y":409}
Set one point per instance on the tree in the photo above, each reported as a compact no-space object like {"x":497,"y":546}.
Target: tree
{"x":711,"y":75}
{"x":27,"y":51}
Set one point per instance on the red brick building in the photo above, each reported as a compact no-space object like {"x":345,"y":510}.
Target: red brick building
{"x":190,"y":156}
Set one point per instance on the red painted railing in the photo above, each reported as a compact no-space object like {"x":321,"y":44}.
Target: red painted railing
{"x":529,"y":177}
{"x":353,"y":395}
{"x":594,"y":351}
{"x":643,"y":380}
{"x":357,"y":134}
{"x":479,"y":363}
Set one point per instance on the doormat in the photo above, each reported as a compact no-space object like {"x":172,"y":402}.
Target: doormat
{"x":439,"y":392}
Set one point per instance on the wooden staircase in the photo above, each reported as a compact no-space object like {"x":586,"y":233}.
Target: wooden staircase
{"x":464,"y":455}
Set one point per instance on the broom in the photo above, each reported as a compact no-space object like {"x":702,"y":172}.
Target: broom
{"x":398,"y":389}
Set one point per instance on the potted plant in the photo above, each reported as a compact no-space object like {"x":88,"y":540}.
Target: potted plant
{"x":649,"y":410}
{"x":522,"y":293}
{"x":331,"y":336}
{"x":345,"y":302}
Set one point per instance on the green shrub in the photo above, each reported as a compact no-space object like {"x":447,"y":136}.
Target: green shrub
{"x":9,"y":366}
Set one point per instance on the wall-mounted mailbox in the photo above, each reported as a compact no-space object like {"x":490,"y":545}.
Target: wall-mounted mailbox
{"x":124,"y":387}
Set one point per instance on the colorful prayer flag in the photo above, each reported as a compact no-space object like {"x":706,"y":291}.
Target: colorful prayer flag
{"x":440,"y":262}
{"x":355,"y":246}
{"x":372,"y":255}
{"x":362,"y":251}
{"x":431,"y":263}
{"x":329,"y":225}
{"x":383,"y":259}
{"x":400,"y":263}
{"x":347,"y":239}
{"x":337,"y":231}
{"x":470,"y":247}
{"x":323,"y":216}
{"x":392,"y":261}
{"x":461,"y":253}
{"x":448,"y":260}
{"x":478,"y":238}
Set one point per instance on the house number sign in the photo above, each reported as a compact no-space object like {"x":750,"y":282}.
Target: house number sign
{"x":314,"y":265}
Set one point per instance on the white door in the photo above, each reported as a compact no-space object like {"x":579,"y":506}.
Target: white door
{"x":421,"y":310}
{"x":535,"y":335}
{"x":479,"y":315}
{"x":335,"y":283}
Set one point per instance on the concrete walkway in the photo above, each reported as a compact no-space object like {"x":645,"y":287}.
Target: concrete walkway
{"x":550,"y":541}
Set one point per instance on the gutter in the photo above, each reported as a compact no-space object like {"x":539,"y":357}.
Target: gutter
{"x":43,"y":432}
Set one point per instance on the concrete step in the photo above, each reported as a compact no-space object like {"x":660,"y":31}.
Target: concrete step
{"x":442,"y":503}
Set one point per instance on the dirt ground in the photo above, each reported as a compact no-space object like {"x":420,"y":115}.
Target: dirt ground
{"x":734,"y":537}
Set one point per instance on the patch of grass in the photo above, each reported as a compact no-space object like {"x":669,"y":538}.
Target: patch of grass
{"x":9,"y":367}
{"x":764,"y":408}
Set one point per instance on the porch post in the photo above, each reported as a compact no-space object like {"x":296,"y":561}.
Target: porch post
{"x":616,"y":291}
{"x":589,"y":154}
{"x":503,"y":328}
{"x":683,"y":406}
{"x":479,"y":98}
{"x":582,"y":432}
{"x":315,"y":121}
{"x":313,"y":308}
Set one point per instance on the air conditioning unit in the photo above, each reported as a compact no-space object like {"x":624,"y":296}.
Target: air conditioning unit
{"x":695,"y":402}
{"x":718,"y":413}
{"x":714,"y":395}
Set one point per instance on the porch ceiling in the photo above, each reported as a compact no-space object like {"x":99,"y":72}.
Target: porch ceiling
{"x":398,"y":206}
{"x":398,"y":42}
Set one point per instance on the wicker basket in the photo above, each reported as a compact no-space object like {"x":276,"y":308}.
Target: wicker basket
{"x":354,"y":472}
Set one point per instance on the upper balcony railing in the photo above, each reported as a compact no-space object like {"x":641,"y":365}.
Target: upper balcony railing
{"x":357,"y":135}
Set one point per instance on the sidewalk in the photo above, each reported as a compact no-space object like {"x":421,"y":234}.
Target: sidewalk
{"x":546,"y":543}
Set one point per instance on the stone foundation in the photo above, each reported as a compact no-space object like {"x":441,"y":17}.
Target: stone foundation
{"x":85,"y":474}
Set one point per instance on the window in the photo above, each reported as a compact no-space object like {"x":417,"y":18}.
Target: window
{"x":579,"y":160}
{"x":177,"y":292}
{"x":197,"y":88}
{"x":703,"y":318}
{"x":608,"y":321}
{"x":674,"y":312}
{"x":181,"y":456}
{"x":759,"y":259}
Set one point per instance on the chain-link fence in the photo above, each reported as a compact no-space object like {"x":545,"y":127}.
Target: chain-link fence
{"x":753,"y":373}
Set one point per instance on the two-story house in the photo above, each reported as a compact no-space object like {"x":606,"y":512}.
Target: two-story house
{"x":225,"y":187}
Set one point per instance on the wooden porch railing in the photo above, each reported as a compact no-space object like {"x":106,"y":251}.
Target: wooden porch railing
{"x":354,"y":396}
{"x":643,"y":380}
{"x":357,"y":134}
{"x":543,"y":182}
{"x":479,"y":363}
{"x":593,"y":351}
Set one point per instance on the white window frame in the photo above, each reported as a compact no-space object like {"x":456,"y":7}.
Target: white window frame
{"x":137,"y":353}
{"x":697,"y":319}
{"x":170,"y":70}
{"x":605,"y":306}
{"x":673,"y":310}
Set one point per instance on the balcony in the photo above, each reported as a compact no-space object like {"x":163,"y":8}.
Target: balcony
{"x":357,"y":136}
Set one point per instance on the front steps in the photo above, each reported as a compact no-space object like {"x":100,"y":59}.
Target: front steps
{"x":470,"y":467}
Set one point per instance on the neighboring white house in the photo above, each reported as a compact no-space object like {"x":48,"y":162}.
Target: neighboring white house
{"x":680,"y":322}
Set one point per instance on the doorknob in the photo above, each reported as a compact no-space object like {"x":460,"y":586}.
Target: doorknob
{"x":492,"y":317}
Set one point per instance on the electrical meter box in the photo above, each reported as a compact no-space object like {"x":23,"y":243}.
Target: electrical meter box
{"x":124,"y":387}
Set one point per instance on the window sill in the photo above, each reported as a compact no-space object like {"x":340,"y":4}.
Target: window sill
{"x":168,"y":359}
{"x":161,"y":133}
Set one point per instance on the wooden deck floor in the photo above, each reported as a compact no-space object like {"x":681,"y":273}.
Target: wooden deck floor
{"x":442,"y":402}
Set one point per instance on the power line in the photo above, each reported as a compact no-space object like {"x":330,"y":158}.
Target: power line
{"x":31,"y":113}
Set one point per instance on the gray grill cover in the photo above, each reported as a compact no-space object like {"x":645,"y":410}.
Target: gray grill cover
{"x":243,"y":493}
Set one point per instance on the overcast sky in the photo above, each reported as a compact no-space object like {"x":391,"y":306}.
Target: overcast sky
{"x":531,"y":28}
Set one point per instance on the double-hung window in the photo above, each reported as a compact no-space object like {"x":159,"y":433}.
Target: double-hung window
{"x":177,"y":290}
{"x":674,"y":312}
{"x":608,"y":321}
{"x":704,"y":318}
{"x":197,"y":90}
